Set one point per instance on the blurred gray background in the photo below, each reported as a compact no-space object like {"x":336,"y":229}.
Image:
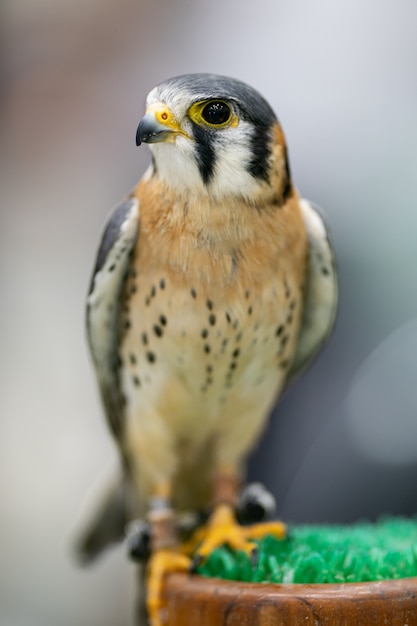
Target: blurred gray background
{"x":74,"y":74}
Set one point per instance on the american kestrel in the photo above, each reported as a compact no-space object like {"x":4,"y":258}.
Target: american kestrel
{"x":214,"y":285}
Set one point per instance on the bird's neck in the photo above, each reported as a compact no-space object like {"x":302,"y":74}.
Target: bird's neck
{"x":176,"y":168}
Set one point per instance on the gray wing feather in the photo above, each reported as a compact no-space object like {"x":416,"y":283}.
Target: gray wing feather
{"x":321,"y":292}
{"x":103,"y":304}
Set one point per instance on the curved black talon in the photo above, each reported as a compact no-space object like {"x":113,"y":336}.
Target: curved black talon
{"x":254,"y":558}
{"x":138,"y":539}
{"x":195,"y":563}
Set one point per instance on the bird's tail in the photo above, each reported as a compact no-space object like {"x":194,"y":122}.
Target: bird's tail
{"x":108,"y":522}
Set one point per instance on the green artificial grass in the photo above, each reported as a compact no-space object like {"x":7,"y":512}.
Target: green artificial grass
{"x":325,"y":554}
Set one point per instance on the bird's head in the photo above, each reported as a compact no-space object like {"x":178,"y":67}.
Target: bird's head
{"x":216,"y":136}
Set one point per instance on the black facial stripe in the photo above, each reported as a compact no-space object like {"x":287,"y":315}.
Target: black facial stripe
{"x":154,"y":168}
{"x":206,"y":154}
{"x":261,"y":152}
{"x":287,"y":184}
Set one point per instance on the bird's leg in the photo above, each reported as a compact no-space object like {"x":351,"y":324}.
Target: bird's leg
{"x":166,"y":555}
{"x":223,"y":528}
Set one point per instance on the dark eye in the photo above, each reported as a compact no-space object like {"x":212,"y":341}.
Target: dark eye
{"x":216,"y":113}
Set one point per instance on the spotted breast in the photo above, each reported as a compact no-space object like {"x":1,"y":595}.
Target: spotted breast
{"x":212,"y":308}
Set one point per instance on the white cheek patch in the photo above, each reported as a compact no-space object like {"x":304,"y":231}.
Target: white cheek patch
{"x":176,"y":164}
{"x":233,"y":156}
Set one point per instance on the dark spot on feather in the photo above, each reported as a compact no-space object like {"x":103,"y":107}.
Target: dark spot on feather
{"x":112,"y":267}
{"x":284,"y":341}
{"x":207,"y":348}
{"x":162,"y":283}
{"x":204,"y":333}
{"x":158,"y":331}
{"x":228,"y":318}
{"x":193,"y":292}
{"x":132,"y":359}
{"x":153,"y":291}
{"x":136,"y":381}
{"x":209,"y":305}
{"x":163,"y":320}
{"x":144,"y":339}
{"x":212,"y":319}
{"x":250,"y":310}
{"x":287,"y":289}
{"x":235,"y":260}
{"x":236,"y":353}
{"x":325,"y":271}
{"x":151,"y":357}
{"x":279,"y":330}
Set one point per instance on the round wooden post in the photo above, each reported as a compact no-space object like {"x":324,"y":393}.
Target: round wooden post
{"x":212,"y":602}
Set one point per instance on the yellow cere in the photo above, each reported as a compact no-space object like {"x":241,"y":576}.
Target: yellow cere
{"x":164,"y":116}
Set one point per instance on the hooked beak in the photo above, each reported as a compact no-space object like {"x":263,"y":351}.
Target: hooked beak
{"x":158,"y":124}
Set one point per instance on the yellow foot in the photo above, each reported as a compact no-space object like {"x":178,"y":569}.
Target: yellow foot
{"x":258,"y":531}
{"x":223,"y":528}
{"x":161,"y":563}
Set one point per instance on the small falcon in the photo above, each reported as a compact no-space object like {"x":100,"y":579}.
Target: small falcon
{"x":214,"y":285}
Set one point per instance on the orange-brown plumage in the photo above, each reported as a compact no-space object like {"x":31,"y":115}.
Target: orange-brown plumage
{"x":213,"y":284}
